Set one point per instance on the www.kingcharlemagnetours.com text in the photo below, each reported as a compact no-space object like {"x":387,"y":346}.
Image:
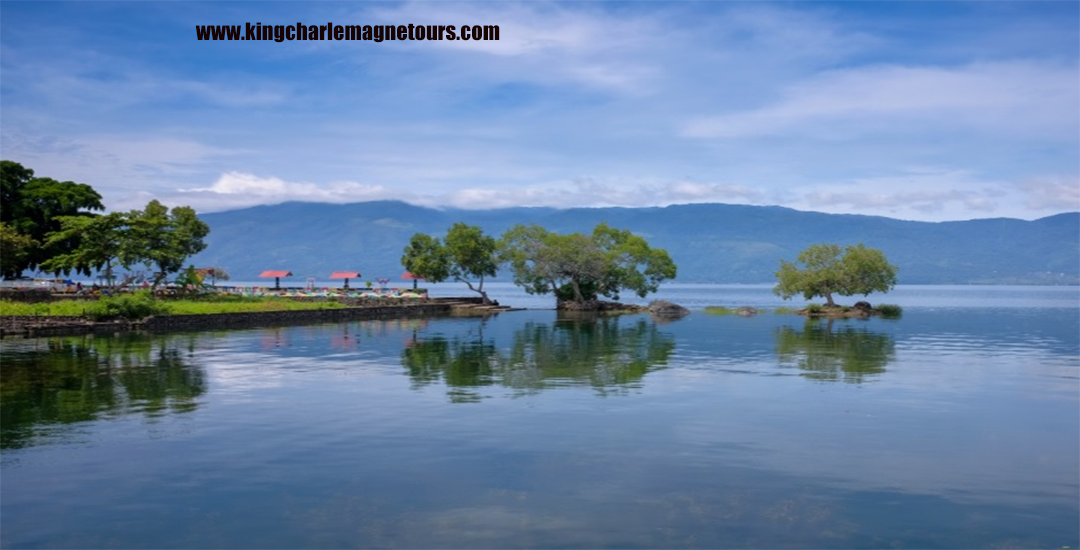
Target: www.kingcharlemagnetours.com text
{"x":330,"y":31}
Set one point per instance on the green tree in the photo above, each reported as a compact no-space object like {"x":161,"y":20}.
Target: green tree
{"x":14,"y":248}
{"x":426,"y":257}
{"x":466,"y":255}
{"x":34,"y":207}
{"x":99,"y":239}
{"x":162,"y":239}
{"x":860,"y":270}
{"x":578,"y":267}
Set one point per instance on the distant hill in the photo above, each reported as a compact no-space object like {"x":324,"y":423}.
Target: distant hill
{"x":710,"y":243}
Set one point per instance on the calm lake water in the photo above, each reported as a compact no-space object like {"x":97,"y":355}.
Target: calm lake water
{"x":957,"y":426}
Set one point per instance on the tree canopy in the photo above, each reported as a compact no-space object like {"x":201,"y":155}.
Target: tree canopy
{"x":33,"y":207}
{"x":466,"y":255}
{"x":99,"y":239}
{"x":156,"y":238}
{"x":579,"y":268}
{"x":46,"y":224}
{"x":163,"y":239}
{"x":861,"y":270}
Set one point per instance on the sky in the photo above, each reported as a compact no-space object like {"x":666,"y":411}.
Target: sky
{"x":928,"y":111}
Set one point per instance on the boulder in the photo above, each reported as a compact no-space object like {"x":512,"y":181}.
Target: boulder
{"x":664,"y":308}
{"x":746,"y":311}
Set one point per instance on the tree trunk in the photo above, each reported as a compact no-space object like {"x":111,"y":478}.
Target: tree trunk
{"x":577,"y":292}
{"x":479,"y":289}
{"x":828,"y":299}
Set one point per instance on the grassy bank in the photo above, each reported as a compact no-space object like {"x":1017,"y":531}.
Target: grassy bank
{"x":139,"y":305}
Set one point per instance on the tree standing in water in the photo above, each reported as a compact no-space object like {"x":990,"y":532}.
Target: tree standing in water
{"x":861,"y":270}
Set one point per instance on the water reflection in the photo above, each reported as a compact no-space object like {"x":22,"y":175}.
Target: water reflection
{"x":835,"y":351}
{"x":610,"y":354}
{"x":63,"y":381}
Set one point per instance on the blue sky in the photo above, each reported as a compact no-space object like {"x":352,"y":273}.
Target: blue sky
{"x":914,"y":110}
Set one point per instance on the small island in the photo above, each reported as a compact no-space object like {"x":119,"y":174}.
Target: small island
{"x":825,"y":272}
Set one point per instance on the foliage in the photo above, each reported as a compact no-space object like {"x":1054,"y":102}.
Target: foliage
{"x":860,"y":270}
{"x":133,"y":307}
{"x":98,"y":239}
{"x":890,"y":311}
{"x":190,"y":280}
{"x":720,"y":310}
{"x":583,"y":267}
{"x":815,"y":308}
{"x":34,"y":207}
{"x":163,"y":239}
{"x":426,"y":257}
{"x":154,"y":237}
{"x":14,"y":249}
{"x":240,"y":304}
{"x":47,"y":224}
{"x":465,"y":255}
{"x":192,"y":305}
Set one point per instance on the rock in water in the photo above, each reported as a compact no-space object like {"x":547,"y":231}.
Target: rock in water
{"x":746,"y":311}
{"x":664,"y":308}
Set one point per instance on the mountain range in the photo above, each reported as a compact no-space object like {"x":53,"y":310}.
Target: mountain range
{"x":710,"y":243}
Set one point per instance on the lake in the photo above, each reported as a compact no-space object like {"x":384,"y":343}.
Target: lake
{"x":956,"y":426}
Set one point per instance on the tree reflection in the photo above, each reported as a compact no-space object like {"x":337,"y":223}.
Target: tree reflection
{"x":610,"y":354}
{"x":840,"y":354}
{"x":68,"y":380}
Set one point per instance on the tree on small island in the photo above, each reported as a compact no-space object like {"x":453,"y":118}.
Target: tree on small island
{"x":580,"y":268}
{"x":465,"y":255}
{"x":860,"y":270}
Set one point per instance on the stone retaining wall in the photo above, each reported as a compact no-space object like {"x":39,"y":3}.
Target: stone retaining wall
{"x":34,"y":326}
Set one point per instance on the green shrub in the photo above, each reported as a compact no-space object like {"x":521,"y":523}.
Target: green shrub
{"x":890,"y":311}
{"x":719,"y":310}
{"x":132,"y":307}
{"x":815,"y":309}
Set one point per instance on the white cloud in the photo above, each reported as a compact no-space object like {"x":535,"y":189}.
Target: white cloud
{"x":590,"y":192}
{"x":1052,"y":193}
{"x":922,"y":193}
{"x":238,"y":190}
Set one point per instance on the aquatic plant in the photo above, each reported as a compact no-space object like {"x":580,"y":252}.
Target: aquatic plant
{"x":719,"y":310}
{"x":890,"y":311}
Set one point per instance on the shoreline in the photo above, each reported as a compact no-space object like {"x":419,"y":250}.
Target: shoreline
{"x":36,"y":326}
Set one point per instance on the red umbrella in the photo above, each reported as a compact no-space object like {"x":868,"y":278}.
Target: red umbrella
{"x":408,"y":276}
{"x":345,"y":275}
{"x":277,"y":276}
